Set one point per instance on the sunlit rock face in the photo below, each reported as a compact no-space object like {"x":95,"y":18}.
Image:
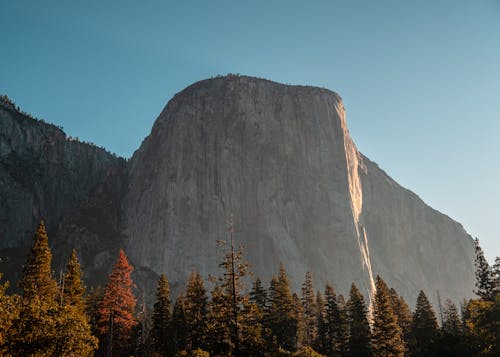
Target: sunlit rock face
{"x":280,"y":161}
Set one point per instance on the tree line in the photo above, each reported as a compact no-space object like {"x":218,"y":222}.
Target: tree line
{"x":61,"y":318}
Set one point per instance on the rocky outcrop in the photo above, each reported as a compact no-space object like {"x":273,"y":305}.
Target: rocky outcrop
{"x":278,"y":159}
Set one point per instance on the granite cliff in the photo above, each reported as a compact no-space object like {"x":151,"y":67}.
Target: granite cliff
{"x":278,"y":158}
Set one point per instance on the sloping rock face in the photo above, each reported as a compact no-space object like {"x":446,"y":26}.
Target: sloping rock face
{"x":280,"y":161}
{"x":44,"y":175}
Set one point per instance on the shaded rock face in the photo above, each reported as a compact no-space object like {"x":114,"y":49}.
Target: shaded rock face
{"x":43,"y":175}
{"x":280,"y":161}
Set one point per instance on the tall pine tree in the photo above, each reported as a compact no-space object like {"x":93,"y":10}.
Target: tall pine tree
{"x":484,"y":277}
{"x":309,"y":307}
{"x":72,"y":323}
{"x":160,"y":331}
{"x":34,"y":330}
{"x":283,"y":312}
{"x":359,"y":328}
{"x":116,"y":312}
{"x":403,"y":313}
{"x":424,"y":327}
{"x":196,"y":312}
{"x":387,"y":337}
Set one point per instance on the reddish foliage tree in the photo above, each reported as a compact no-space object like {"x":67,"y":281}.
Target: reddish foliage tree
{"x":116,"y":311}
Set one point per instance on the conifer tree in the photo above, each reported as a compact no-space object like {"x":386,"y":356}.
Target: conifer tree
{"x":283,"y":314}
{"x":321,"y":343}
{"x":309,"y":307}
{"x":178,"y":328}
{"x":72,"y":322}
{"x":93,"y":301}
{"x":116,"y":312}
{"x":258,"y":295}
{"x":496,"y":277}
{"x":9,"y":311}
{"x":196,"y":312}
{"x":424,"y":327}
{"x":451,"y":332}
{"x":386,"y":334}
{"x":484,"y":276}
{"x":34,"y":329}
{"x":343,"y":329}
{"x":359,"y":328}
{"x":403,"y":313}
{"x":160,"y":331}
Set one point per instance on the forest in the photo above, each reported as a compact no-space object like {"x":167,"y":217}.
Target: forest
{"x":239,"y":316}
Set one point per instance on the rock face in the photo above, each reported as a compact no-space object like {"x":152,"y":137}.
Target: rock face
{"x":280,"y":160}
{"x":43,"y":175}
{"x":276,"y":158}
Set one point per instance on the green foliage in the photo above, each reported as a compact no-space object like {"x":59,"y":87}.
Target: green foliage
{"x":196,"y":311}
{"x":386,"y":334}
{"x":359,"y":328}
{"x":482,"y":323}
{"x":160,"y":331}
{"x":424,"y":327}
{"x":179,"y":329}
{"x":403,"y":313}
{"x":485,"y":285}
{"x":310,"y":310}
{"x":282,"y":315}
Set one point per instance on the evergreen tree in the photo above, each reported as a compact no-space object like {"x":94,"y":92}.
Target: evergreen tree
{"x":258,"y":295}
{"x":93,"y":301}
{"x":359,"y":328}
{"x":343,"y":329}
{"x":425,"y":327}
{"x":321,"y":343}
{"x":451,"y":332}
{"x":283,"y":312}
{"x":496,"y":276}
{"x":484,"y":276}
{"x":34,"y":329}
{"x":403,"y":313}
{"x":162,"y":342}
{"x":9,"y":311}
{"x":235,"y":319}
{"x":386,"y":334}
{"x":72,"y":322}
{"x":196,"y":312}
{"x":178,"y":328}
{"x":482,"y":324}
{"x":309,"y":308}
{"x":116,"y":312}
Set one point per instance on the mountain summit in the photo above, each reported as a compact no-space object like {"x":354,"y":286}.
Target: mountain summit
{"x":279,"y":160}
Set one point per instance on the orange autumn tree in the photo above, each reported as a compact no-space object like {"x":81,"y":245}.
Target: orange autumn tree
{"x":116,"y":311}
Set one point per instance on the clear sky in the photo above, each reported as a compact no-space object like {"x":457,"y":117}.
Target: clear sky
{"x":420,"y":79}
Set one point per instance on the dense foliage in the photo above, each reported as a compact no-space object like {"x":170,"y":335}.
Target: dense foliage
{"x":54,"y":318}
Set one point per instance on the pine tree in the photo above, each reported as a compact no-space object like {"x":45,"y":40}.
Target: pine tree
{"x":309,"y":307}
{"x":116,"y":312}
{"x":196,"y":312}
{"x":403,"y":313}
{"x":386,"y":334}
{"x":93,"y":302}
{"x":162,"y":342}
{"x":484,"y":276}
{"x":283,"y":312}
{"x":359,"y":328}
{"x":343,"y":328}
{"x":424,"y":327}
{"x":9,"y":311}
{"x":321,"y":342}
{"x":451,"y":334}
{"x":34,"y":329}
{"x":496,"y":276}
{"x":258,"y":295}
{"x":178,"y":327}
{"x":72,"y":323}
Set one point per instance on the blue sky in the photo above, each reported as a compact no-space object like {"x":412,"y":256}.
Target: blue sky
{"x":420,"y":80}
